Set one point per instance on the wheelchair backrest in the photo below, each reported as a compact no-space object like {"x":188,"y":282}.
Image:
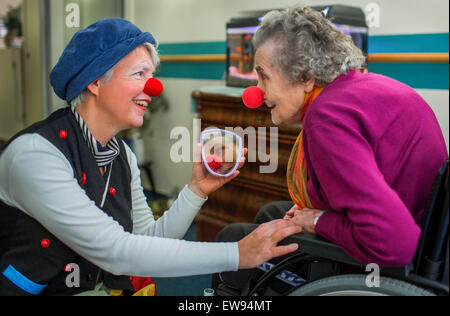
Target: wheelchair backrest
{"x":431,"y":259}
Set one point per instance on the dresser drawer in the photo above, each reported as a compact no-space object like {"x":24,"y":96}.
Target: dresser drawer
{"x":231,"y":112}
{"x":234,"y":115}
{"x":240,"y":200}
{"x":269,"y":167}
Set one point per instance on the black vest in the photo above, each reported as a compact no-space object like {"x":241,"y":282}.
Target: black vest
{"x":31,"y":250}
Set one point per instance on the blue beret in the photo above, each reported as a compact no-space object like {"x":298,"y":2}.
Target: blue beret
{"x":92,"y":52}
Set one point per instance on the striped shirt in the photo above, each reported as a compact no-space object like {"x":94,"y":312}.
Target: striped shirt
{"x":103,"y":155}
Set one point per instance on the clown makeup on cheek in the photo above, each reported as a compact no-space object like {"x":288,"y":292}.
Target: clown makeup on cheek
{"x":221,"y":151}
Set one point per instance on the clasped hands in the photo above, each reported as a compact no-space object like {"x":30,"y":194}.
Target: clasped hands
{"x":303,"y":217}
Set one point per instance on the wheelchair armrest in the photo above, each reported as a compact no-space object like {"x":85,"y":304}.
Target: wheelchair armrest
{"x":318,"y":246}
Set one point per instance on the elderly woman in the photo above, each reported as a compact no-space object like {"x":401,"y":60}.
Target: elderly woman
{"x":70,"y":191}
{"x":363,"y":165}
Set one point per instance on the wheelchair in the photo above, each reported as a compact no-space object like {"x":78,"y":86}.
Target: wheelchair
{"x":326,"y":270}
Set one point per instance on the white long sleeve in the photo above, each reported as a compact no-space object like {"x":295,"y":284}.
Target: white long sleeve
{"x":175,"y":222}
{"x":37,"y":179}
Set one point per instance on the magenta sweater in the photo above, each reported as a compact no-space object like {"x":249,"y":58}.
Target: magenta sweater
{"x":373,"y":147}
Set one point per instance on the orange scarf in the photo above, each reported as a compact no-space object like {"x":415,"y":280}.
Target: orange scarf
{"x":297,"y":173}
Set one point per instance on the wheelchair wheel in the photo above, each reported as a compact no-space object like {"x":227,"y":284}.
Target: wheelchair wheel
{"x":355,"y":285}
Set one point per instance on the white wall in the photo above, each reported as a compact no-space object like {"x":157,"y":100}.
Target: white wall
{"x":439,"y":102}
{"x":179,"y":21}
{"x":204,"y":20}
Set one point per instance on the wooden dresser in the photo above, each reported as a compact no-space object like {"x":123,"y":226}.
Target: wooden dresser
{"x":240,"y":199}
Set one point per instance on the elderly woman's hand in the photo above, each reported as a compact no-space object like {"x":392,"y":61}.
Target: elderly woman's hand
{"x":304,"y":217}
{"x":202,"y":182}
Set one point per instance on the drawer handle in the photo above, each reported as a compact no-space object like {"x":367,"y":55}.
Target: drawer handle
{"x":259,"y":119}
{"x":259,"y":200}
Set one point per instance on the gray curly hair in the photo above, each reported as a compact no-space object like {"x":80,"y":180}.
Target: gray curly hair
{"x":309,"y":45}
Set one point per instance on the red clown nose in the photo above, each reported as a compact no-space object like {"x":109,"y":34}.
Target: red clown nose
{"x":213,"y":162}
{"x":253,"y":97}
{"x":153,"y":87}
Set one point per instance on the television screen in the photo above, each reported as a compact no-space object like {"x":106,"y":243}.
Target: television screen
{"x":241,"y":52}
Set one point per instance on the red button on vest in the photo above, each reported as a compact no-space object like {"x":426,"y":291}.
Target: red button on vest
{"x":45,"y":243}
{"x":83,"y":178}
{"x":63,"y":134}
{"x":112,"y":191}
